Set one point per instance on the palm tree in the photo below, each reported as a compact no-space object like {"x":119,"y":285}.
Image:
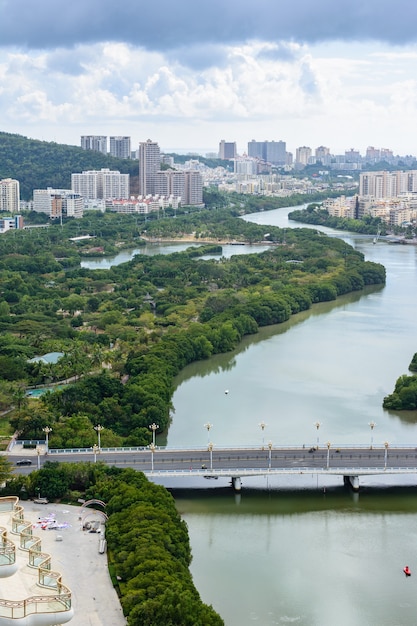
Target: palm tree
{"x":19,"y":397}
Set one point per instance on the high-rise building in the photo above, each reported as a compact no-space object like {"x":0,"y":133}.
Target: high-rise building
{"x":193,"y":188}
{"x":323,"y":155}
{"x":352,"y":156}
{"x":9,"y":195}
{"x":103,"y":184}
{"x":149,"y":165}
{"x":271,"y":151}
{"x":256,"y":149}
{"x":186,"y":185}
{"x":98,"y":143}
{"x":120,"y":147}
{"x":227,"y":150}
{"x":302,"y":155}
{"x":276,"y":152}
{"x":170,"y":183}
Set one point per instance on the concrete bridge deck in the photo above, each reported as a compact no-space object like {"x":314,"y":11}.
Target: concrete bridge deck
{"x":346,"y":460}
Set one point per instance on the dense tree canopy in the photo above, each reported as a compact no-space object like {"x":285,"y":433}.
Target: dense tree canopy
{"x":123,"y":334}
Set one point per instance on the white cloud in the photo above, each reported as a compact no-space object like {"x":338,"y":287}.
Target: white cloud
{"x":334,"y":94}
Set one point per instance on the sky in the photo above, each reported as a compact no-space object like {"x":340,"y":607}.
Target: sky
{"x":189,"y":73}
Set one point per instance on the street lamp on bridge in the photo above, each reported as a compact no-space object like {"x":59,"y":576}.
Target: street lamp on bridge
{"x":154,"y":427}
{"x":317,"y":425}
{"x":152,"y":448}
{"x":270,"y":453}
{"x":328,"y":454}
{"x":386,"y":444}
{"x":263,"y":426}
{"x":210,"y":449}
{"x":208,"y":426}
{"x":372,"y":426}
{"x":98,"y":429}
{"x":47,"y":430}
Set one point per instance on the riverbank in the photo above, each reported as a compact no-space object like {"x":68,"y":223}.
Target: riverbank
{"x":194,"y":240}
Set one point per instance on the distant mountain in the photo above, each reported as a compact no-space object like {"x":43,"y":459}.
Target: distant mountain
{"x":40,"y":164}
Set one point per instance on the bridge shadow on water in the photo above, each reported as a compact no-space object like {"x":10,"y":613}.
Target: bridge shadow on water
{"x":224,"y":501}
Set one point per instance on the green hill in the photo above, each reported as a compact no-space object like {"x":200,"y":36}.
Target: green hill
{"x":40,"y":164}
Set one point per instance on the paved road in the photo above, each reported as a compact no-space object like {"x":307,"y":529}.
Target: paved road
{"x":333,"y":460}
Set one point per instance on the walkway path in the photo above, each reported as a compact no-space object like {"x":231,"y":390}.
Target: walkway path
{"x":83,"y":569}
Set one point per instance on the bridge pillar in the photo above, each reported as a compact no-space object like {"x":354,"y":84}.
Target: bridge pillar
{"x":236,"y":483}
{"x":353,"y":481}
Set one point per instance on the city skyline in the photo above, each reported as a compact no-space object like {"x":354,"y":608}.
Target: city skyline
{"x":322,"y":75}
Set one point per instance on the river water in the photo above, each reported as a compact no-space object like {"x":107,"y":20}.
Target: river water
{"x":302,"y":550}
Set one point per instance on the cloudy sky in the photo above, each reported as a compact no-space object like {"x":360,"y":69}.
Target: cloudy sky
{"x":187,"y":73}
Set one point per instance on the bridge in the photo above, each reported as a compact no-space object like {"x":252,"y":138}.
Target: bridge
{"x":348,"y":461}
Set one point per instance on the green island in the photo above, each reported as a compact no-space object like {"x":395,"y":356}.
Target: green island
{"x":121,"y":336}
{"x":404,"y":396}
{"x":314,"y":213}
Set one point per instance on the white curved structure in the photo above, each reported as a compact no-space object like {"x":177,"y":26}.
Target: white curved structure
{"x":26,"y":571}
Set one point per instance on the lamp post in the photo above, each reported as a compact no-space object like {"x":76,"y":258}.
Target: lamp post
{"x":210,"y":449}
{"x":47,"y":430}
{"x":386,"y":444}
{"x":317,"y":425}
{"x":208,"y":426}
{"x":372,"y":426}
{"x":263,"y":426}
{"x":270,"y":453}
{"x":154,"y":427}
{"x":328,"y":454}
{"x":95,"y":449}
{"x":38,"y":452}
{"x":152,"y":449}
{"x":99,"y":428}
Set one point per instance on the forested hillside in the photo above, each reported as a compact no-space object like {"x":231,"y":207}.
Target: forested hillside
{"x":40,"y":164}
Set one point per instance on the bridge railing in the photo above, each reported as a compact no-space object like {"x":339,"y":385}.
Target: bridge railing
{"x":256,"y":446}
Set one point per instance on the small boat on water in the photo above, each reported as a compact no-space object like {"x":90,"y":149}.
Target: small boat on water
{"x":407,"y":571}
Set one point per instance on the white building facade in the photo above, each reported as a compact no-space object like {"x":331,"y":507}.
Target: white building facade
{"x":149,"y":165}
{"x":57,"y":203}
{"x":120,"y":147}
{"x":98,"y":143}
{"x":101,"y":184}
{"x":9,"y":195}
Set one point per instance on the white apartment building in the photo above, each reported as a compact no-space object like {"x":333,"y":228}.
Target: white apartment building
{"x":149,"y":165}
{"x":246,"y":166}
{"x":193,"y":195}
{"x":98,"y":143}
{"x":340,"y":207}
{"x":101,"y":184}
{"x":387,"y":184}
{"x":142,"y":206}
{"x":9,"y":195}
{"x":302,"y":155}
{"x":186,"y":186}
{"x":128,"y":207}
{"x":120,"y":147}
{"x":170,"y":183}
{"x":58,"y":203}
